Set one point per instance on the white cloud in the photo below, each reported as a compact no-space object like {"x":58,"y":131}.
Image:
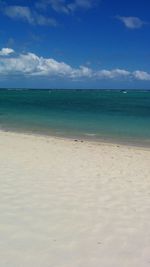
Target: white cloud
{"x":131,"y":22}
{"x":57,"y":5}
{"x":82,"y":71}
{"x":62,"y":6}
{"x":141,"y":75}
{"x":82,"y":4}
{"x":113,"y":74}
{"x":30,"y":15}
{"x":6,"y":51}
{"x":30,"y":64}
{"x":26,"y":14}
{"x":19,"y":12}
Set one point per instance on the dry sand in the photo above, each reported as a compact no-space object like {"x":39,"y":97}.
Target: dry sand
{"x":73,"y":204}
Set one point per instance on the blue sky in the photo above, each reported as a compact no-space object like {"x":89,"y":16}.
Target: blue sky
{"x":75,"y":44}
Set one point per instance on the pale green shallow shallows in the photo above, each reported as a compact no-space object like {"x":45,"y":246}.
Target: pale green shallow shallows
{"x":122,"y":116}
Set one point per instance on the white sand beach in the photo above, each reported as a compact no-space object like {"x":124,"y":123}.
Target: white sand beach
{"x":71,"y":204}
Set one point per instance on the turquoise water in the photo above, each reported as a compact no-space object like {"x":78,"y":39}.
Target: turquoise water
{"x":94,"y":114}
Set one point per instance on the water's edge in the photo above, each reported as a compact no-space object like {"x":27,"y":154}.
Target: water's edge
{"x":81,"y":139}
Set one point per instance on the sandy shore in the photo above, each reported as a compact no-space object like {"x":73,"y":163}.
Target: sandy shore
{"x":73,"y":204}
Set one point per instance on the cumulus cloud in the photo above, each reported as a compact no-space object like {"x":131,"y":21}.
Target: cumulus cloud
{"x":113,"y":74}
{"x":131,"y":22}
{"x":6,"y":51}
{"x":30,"y":64}
{"x":141,"y":75}
{"x":24,"y":13}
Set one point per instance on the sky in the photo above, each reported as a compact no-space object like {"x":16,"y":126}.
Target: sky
{"x":101,"y":44}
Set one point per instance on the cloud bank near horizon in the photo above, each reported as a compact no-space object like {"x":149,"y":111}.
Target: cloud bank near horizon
{"x":30,"y":64}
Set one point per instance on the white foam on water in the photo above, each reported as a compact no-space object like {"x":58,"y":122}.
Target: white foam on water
{"x":90,"y":134}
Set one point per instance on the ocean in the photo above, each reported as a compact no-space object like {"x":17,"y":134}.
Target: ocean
{"x":107,"y":115}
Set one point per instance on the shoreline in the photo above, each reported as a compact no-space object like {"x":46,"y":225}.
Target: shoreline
{"x":93,"y":116}
{"x":81,"y":139}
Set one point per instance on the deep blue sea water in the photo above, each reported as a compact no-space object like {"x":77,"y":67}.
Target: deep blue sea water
{"x":110,"y":115}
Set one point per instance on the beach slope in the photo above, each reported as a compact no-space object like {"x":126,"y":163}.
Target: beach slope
{"x":73,"y":204}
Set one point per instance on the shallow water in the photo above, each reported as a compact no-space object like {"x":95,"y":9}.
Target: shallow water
{"x":93,"y":114}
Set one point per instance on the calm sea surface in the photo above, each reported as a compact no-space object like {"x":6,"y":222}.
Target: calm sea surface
{"x":113,"y":115}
